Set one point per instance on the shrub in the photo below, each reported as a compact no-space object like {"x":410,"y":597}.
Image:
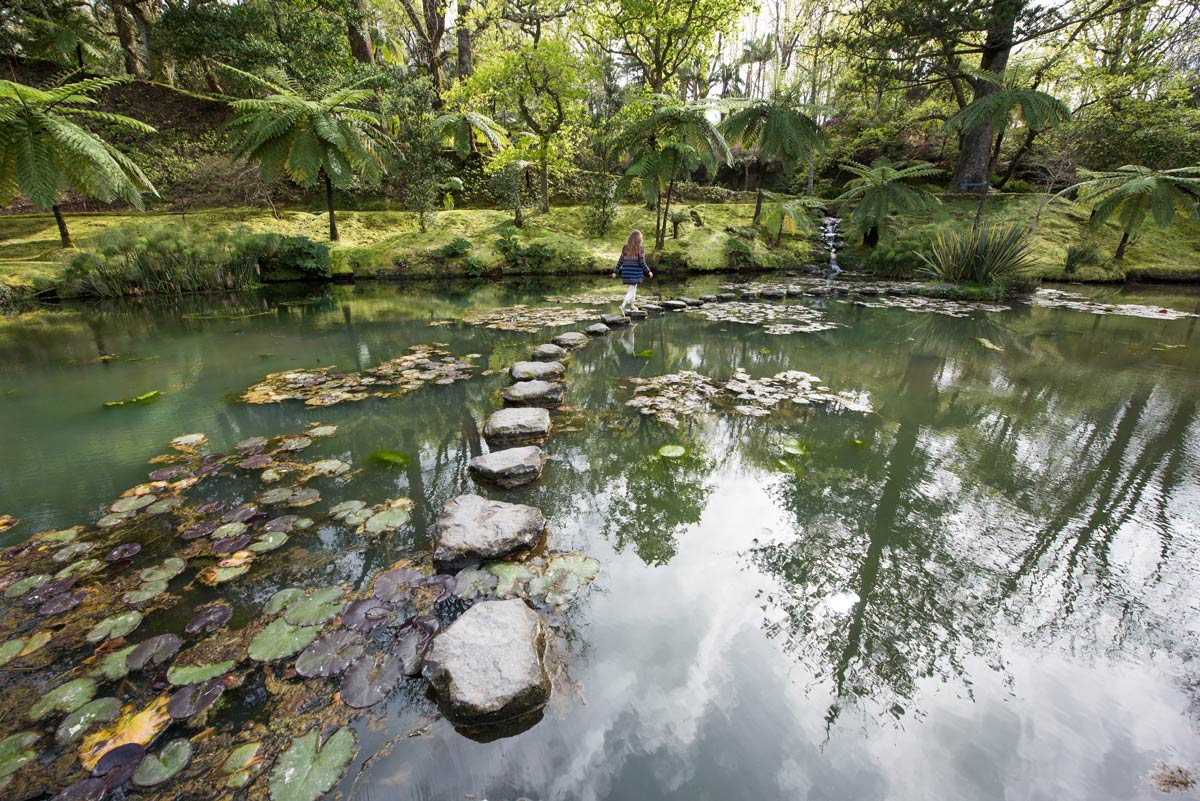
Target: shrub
{"x":472,"y":267}
{"x":697,"y":220}
{"x":520,"y":257}
{"x":990,"y":255}
{"x":1079,"y":255}
{"x":286,"y":258}
{"x":740,"y":254}
{"x":678,"y":218}
{"x":455,"y":248}
{"x":601,"y":210}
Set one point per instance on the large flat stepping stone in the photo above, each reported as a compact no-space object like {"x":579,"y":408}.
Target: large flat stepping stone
{"x":773,"y":294}
{"x":637,"y":314}
{"x":674,"y":305}
{"x":614,"y":320}
{"x":726,"y":297}
{"x":652,"y":308}
{"x":517,"y":426}
{"x":474,"y":529}
{"x":511,"y":467}
{"x":692,"y":301}
{"x":709,"y":298}
{"x":533,"y":393}
{"x":536,"y":371}
{"x":488,"y":666}
{"x":570,"y":340}
{"x":597,"y":330}
{"x":548,"y":353}
{"x":748,"y":294}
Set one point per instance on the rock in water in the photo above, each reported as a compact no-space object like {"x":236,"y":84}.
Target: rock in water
{"x":570,"y":340}
{"x":548,"y":353}
{"x":519,"y":426}
{"x":488,"y":666}
{"x":652,"y":308}
{"x":709,"y":298}
{"x":614,"y":320}
{"x":692,"y":301}
{"x":674,"y":305}
{"x":532,"y":371}
{"x":474,"y":529}
{"x":510,"y":467}
{"x":636,"y":314}
{"x":533,"y":393}
{"x":773,"y":293}
{"x":597,"y":330}
{"x":726,"y":297}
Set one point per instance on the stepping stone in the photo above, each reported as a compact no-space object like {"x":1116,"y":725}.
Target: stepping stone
{"x":795,"y":291}
{"x":637,"y":314}
{"x":772,"y":294}
{"x":548,"y":353}
{"x":511,"y":467}
{"x":530,"y":371}
{"x":726,"y":297}
{"x":518,"y":426}
{"x":533,"y":393}
{"x":652,"y":308}
{"x":674,"y":305}
{"x":749,"y":294}
{"x":614,"y":320}
{"x":709,"y":298}
{"x":570,"y":340}
{"x":693,"y":301}
{"x":869,"y":290}
{"x":597,"y":330}
{"x":488,"y":666}
{"x":474,"y":529}
{"x":816,"y":292}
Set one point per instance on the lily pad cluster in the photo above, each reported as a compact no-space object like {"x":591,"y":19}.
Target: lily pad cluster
{"x":427,"y":364}
{"x":775,"y":318}
{"x":1059,"y":299}
{"x":672,"y":397}
{"x":587,"y":298}
{"x":551,"y":583}
{"x":529,"y":319}
{"x":921,"y":305}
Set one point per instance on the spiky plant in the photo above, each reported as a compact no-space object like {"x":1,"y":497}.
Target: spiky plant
{"x":989,"y":255}
{"x":327,"y":137}
{"x":43,"y":150}
{"x":1132,"y":193}
{"x":785,"y":213}
{"x":878,"y":191}
{"x":467,"y":131}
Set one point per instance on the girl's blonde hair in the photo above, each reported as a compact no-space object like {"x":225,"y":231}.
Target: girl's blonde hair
{"x":633,"y":245}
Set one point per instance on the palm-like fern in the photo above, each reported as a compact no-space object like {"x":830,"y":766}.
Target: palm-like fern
{"x":789,"y":213}
{"x":880,"y":190}
{"x":465,"y":131}
{"x":43,"y":150}
{"x":68,"y":40}
{"x":1038,"y":110}
{"x":1132,"y":193}
{"x":781,"y":127}
{"x":328,"y":137}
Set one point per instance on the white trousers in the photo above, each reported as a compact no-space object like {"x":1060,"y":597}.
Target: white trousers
{"x":630,"y":296}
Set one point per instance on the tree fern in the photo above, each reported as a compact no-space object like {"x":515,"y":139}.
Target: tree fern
{"x":879,"y":191}
{"x":1037,"y":109}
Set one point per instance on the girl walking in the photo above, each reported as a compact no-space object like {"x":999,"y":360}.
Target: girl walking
{"x":632,"y":269}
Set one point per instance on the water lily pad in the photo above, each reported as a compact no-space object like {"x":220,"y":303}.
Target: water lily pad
{"x":345,"y":508}
{"x":111,"y":628}
{"x":387,"y":520}
{"x":132,"y":503}
{"x":241,"y":764}
{"x":305,"y":496}
{"x":164,"y":506}
{"x":146,"y":592}
{"x":193,"y":699}
{"x":370,"y":679}
{"x":50,"y":589}
{"x":240,"y":514}
{"x":64,"y":536}
{"x":474,"y":582}
{"x":251,"y":443}
{"x":24,"y":585}
{"x":295,"y":444}
{"x":228,"y":530}
{"x":170,"y":568}
{"x":511,"y":578}
{"x":181,"y":675}
{"x":564,"y":577}
{"x":202,"y":529}
{"x":331,"y":654}
{"x":396,"y":585}
{"x":114,"y":519}
{"x":113,"y":667}
{"x":282,"y":599}
{"x":672,"y":451}
{"x":85,"y":790}
{"x":62,"y":603}
{"x":366,"y":614}
{"x":219,"y":574}
{"x":280,"y":639}
{"x":269,"y":542}
{"x":35,"y":643}
{"x":118,"y":764}
{"x":277,"y":495}
{"x":259,"y":461}
{"x":69,"y":552}
{"x":126,"y":551}
{"x":389,"y":459}
{"x":15,"y":753}
{"x":168,"y":473}
{"x":209,"y":618}
{"x":152,"y":396}
{"x":80,"y":568}
{"x":227,"y":545}
{"x":98,"y":710}
{"x":154,"y":651}
{"x":322,"y":431}
{"x":282,"y":525}
{"x":188,"y":442}
{"x":64,"y":698}
{"x":165,"y":765}
{"x":140,"y":727}
{"x":11,"y":650}
{"x":319,"y":607}
{"x":329,"y":467}
{"x":308,"y":769}
{"x":409,"y":647}
{"x":272,"y":474}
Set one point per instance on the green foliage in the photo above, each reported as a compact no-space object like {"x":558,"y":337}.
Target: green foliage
{"x":1079,"y":255}
{"x":601,"y":210}
{"x":466,"y":131}
{"x":1133,"y":192}
{"x":522,"y":258}
{"x":455,"y":248}
{"x":287,"y":258}
{"x":878,"y":191}
{"x":788,"y":214}
{"x":1037,"y":109}
{"x":991,"y":255}
{"x":740,"y":254}
{"x":677,"y":218}
{"x":782,"y":127}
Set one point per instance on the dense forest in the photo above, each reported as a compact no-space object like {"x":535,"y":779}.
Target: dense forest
{"x":875,"y":108}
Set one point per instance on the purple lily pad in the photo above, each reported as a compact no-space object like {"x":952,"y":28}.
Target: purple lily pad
{"x":283,"y":524}
{"x":331,"y":654}
{"x":205,"y":470}
{"x":366,"y":614}
{"x":62,"y":603}
{"x":239,"y":514}
{"x":427,"y":624}
{"x":39,"y":595}
{"x":231,"y":544}
{"x":210,"y":507}
{"x":259,"y":461}
{"x":86,"y":790}
{"x":446,"y":582}
{"x":252,"y":444}
{"x":394,"y":585}
{"x":194,"y":698}
{"x":153,"y":651}
{"x":123,"y":552}
{"x":212,"y":458}
{"x":117,"y":766}
{"x":409,"y":647}
{"x":168,"y":473}
{"x":209,"y":618}
{"x":199,"y":530}
{"x":370,"y":680}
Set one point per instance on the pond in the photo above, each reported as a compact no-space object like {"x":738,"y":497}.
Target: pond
{"x":968,"y":568}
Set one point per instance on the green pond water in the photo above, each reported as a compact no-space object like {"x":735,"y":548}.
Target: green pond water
{"x":987,"y":587}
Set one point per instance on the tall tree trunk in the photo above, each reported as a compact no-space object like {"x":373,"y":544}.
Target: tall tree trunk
{"x":333,"y":234}
{"x":463,"y":33}
{"x":1012,"y":165}
{"x":63,"y":233}
{"x":662,"y":234}
{"x":1120,"y":254}
{"x":210,"y":77}
{"x":359,"y":32}
{"x":544,"y":177}
{"x":871,"y":237}
{"x":975,"y":152}
{"x":758,"y":198}
{"x":125,"y":35}
{"x":79,"y":55}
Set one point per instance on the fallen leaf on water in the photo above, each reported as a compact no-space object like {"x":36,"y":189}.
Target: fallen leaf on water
{"x":132,"y":726}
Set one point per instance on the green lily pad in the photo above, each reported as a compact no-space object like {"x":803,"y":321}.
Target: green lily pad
{"x":181,"y":675}
{"x":241,"y":765}
{"x":564,"y":577}
{"x":322,"y":431}
{"x":234,"y":529}
{"x":15,"y":753}
{"x":98,"y":710}
{"x":146,"y":592}
{"x":268,"y":542}
{"x":295,"y":444}
{"x":271,"y":475}
{"x":794,"y":446}
{"x":672,"y":451}
{"x":22,"y":586}
{"x":389,"y":459}
{"x":280,"y":639}
{"x":80,"y":568}
{"x":138,"y":400}
{"x":35,"y":643}
{"x":169,"y":569}
{"x":308,"y":769}
{"x":282,"y":599}
{"x":71,"y":551}
{"x":114,"y":519}
{"x":11,"y":650}
{"x":512,"y":577}
{"x":346,"y":508}
{"x":644,"y":354}
{"x":113,"y":666}
{"x":278,"y":495}
{"x":131,"y":503}
{"x":63,"y":698}
{"x":115,"y":626}
{"x":166,"y":764}
{"x":321,"y":606}
{"x":329,"y":467}
{"x":220,"y":575}
{"x":164,"y":506}
{"x":66,"y":535}
{"x":387,"y":520}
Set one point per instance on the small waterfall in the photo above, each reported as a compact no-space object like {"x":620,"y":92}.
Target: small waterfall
{"x":830,"y":231}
